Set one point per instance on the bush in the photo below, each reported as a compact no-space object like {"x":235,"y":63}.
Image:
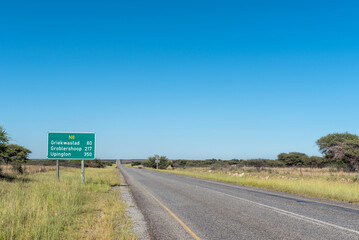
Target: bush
{"x":216,"y":166}
{"x":135,"y":163}
{"x":109,"y":163}
{"x":17,"y":166}
{"x":293,"y":158}
{"x":96,"y":163}
{"x":163,"y":164}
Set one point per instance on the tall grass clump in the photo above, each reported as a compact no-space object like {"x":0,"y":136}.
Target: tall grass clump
{"x":37,"y":206}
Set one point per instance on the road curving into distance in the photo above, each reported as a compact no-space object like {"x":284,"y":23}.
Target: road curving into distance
{"x":179,"y":207}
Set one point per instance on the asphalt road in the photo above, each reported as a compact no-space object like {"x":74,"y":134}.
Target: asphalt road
{"x":178,"y":207}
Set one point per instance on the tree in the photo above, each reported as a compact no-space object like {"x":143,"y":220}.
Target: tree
{"x":234,"y":161}
{"x":163,"y":164}
{"x":315,"y":161}
{"x":293,"y":158}
{"x":4,"y":139}
{"x":257,"y":163}
{"x":180,"y":163}
{"x":341,"y":147}
{"x":136,"y":163}
{"x":15,"y":155}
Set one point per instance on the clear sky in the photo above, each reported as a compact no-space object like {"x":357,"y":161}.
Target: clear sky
{"x":185,"y":79}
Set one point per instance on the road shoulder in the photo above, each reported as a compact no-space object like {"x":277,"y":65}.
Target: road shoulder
{"x":133,"y":212}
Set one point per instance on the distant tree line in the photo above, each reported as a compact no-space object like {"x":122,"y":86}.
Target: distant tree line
{"x":292,"y":159}
{"x":222,"y":163}
{"x":96,"y":163}
{"x":339,"y":150}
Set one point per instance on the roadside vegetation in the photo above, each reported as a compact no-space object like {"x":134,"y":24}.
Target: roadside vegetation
{"x":12,"y":154}
{"x":340,"y":151}
{"x":37,"y":206}
{"x":164,"y":163}
{"x":332,"y":176}
{"x":34,"y":205}
{"x":96,"y":163}
{"x":8,"y":171}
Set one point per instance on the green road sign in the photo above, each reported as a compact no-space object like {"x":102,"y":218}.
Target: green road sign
{"x":71,"y":145}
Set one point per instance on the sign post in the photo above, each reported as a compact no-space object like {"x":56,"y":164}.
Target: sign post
{"x":157,"y":160}
{"x":82,"y":171}
{"x":57,"y":170}
{"x":71,"y":146}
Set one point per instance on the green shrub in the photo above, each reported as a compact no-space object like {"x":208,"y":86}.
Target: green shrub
{"x":163,"y":164}
{"x":135,"y":163}
{"x":17,"y":166}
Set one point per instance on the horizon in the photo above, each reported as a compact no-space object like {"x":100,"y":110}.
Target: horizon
{"x":224,"y":80}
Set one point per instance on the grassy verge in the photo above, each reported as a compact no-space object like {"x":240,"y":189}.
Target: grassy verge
{"x":334,"y":186}
{"x":37,"y":206}
{"x":8,"y":170}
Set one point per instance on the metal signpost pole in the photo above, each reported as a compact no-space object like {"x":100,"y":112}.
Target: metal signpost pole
{"x":57,"y":170}
{"x":157,"y":160}
{"x":82,"y":171}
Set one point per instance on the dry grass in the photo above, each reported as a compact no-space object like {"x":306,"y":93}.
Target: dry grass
{"x":322,"y":183}
{"x":37,"y":206}
{"x":296,"y":171}
{"x":7,"y":169}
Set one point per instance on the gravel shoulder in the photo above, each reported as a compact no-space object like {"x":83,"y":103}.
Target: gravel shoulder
{"x":134,"y":213}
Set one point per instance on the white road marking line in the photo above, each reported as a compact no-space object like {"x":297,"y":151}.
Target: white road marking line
{"x":262,"y":190}
{"x":291,"y":214}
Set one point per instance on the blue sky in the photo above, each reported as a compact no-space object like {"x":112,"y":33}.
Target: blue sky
{"x":186,"y":79}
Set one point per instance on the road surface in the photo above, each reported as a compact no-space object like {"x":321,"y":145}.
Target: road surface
{"x":178,"y":207}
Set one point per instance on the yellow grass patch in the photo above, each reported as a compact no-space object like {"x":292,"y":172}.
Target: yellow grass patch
{"x":7,"y":169}
{"x":37,"y":206}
